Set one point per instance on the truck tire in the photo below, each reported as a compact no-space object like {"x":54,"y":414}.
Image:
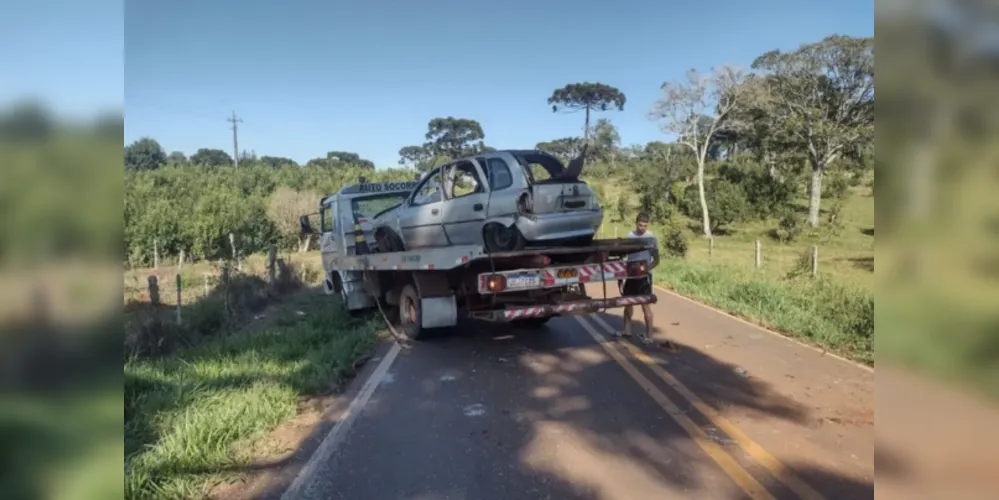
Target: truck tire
{"x":410,"y":316}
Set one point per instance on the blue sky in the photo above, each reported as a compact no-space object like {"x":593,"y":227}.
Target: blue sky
{"x":66,"y":53}
{"x":308,"y":77}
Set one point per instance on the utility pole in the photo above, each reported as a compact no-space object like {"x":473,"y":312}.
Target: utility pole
{"x":235,"y":141}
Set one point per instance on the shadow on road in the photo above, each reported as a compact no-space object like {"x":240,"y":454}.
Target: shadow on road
{"x":493,"y":412}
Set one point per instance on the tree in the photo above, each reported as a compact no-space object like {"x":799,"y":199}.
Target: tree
{"x":277,"y":161}
{"x":587,"y":97}
{"x":177,"y":158}
{"x":144,"y":154}
{"x":695,"y":110}
{"x":211,"y":158}
{"x":606,"y":141}
{"x":345,"y":158}
{"x":414,"y":156}
{"x":284,"y":207}
{"x":454,"y":137}
{"x":564,"y":149}
{"x":822,"y":96}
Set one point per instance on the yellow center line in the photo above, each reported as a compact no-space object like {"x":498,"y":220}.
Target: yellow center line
{"x":743,"y":479}
{"x":757,"y":452}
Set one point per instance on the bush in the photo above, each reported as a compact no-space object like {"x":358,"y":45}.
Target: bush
{"x":727,"y":203}
{"x":788,"y":227}
{"x":675,"y":242}
{"x":623,"y":207}
{"x":836,"y":187}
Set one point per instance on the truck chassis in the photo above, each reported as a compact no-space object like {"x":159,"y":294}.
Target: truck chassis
{"x":428,"y":289}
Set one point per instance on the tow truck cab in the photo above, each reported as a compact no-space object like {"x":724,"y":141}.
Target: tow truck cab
{"x":337,"y":215}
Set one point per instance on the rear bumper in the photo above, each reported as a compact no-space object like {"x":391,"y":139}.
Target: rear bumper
{"x":558,"y":226}
{"x":567,"y":309}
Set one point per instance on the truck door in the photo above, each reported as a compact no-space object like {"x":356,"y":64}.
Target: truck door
{"x":464,"y":210}
{"x":420,"y":220}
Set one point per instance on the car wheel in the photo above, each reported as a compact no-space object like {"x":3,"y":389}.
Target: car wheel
{"x":500,"y":238}
{"x":386,"y":241}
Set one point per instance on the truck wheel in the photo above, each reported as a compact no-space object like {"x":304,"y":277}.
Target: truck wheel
{"x":410,"y":316}
{"x":500,"y":238}
{"x":531,"y":323}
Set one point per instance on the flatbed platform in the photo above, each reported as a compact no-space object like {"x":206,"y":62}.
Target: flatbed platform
{"x":451,"y":257}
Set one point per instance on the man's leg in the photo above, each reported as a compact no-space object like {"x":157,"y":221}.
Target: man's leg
{"x":646,"y":337}
{"x":626,"y":328}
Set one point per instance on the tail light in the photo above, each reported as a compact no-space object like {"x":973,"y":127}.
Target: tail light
{"x":638,"y":268}
{"x":496,"y":283}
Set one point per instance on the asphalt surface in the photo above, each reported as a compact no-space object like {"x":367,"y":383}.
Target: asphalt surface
{"x":564,"y":412}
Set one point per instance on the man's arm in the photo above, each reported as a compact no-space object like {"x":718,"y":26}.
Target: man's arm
{"x":654,"y":252}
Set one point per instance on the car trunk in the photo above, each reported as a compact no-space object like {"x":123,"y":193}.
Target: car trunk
{"x":553,"y":196}
{"x":560,"y":189}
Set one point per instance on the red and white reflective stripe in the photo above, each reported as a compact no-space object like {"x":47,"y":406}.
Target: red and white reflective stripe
{"x":526,"y":312}
{"x":429,"y":267}
{"x":463,"y":260}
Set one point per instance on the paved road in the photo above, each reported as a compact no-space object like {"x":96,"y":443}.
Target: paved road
{"x":565,"y":413}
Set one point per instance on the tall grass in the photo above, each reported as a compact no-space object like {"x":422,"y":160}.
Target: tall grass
{"x":190,"y":417}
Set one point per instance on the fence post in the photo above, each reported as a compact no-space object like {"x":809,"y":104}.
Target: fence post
{"x":206,"y":285}
{"x":272,"y":263}
{"x":235,"y":253}
{"x":180,"y":261}
{"x":615,"y":232}
{"x":154,"y":290}
{"x":759,"y":255}
{"x":180,"y":296}
{"x":815,"y":260}
{"x":156,"y":254}
{"x":711,"y":246}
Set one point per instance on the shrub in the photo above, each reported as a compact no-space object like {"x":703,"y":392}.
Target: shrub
{"x":788,"y":227}
{"x":727,"y":204}
{"x":623,"y":207}
{"x":836,"y":187}
{"x":675,"y":242}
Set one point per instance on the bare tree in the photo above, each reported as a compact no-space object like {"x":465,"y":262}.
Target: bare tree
{"x":283,"y":209}
{"x":695,"y":109}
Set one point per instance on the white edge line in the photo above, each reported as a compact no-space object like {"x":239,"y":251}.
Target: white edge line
{"x":332,"y":440}
{"x":771,"y":332}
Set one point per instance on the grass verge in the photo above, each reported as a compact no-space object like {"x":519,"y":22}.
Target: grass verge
{"x":818,"y":311}
{"x":191,"y":417}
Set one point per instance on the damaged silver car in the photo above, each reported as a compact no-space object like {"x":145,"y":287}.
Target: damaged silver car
{"x":504,"y":200}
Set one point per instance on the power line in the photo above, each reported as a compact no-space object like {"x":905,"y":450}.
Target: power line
{"x":235,"y":140}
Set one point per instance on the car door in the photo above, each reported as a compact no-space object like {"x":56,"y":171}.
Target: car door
{"x":420,"y":220}
{"x":464,"y":210}
{"x":504,"y":187}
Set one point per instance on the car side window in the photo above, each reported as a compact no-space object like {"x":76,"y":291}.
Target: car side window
{"x":462,"y":180}
{"x":499,"y":174}
{"x":430,"y":190}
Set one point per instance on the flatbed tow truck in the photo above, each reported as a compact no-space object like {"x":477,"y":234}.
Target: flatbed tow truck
{"x":422,"y":290}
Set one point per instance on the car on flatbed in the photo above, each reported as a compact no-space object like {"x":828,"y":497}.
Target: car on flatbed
{"x":431,"y":288}
{"x":503,"y":200}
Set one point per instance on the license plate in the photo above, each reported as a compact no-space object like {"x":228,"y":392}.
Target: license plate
{"x":523,"y":281}
{"x":566,"y":273}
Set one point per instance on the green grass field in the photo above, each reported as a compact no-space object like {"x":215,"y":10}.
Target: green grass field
{"x":197,"y":412}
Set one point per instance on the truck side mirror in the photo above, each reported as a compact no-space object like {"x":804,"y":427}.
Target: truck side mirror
{"x":306,"y":227}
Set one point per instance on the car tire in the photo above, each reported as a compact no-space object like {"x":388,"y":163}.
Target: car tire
{"x":387,"y":241}
{"x":500,"y":238}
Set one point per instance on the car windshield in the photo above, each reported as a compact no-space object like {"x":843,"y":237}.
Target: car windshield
{"x":369,"y":207}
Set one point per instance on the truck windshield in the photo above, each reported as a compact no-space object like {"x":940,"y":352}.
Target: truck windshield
{"x":368,"y":207}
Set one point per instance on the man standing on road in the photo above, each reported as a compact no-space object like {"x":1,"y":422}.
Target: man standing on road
{"x":641,"y":286}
